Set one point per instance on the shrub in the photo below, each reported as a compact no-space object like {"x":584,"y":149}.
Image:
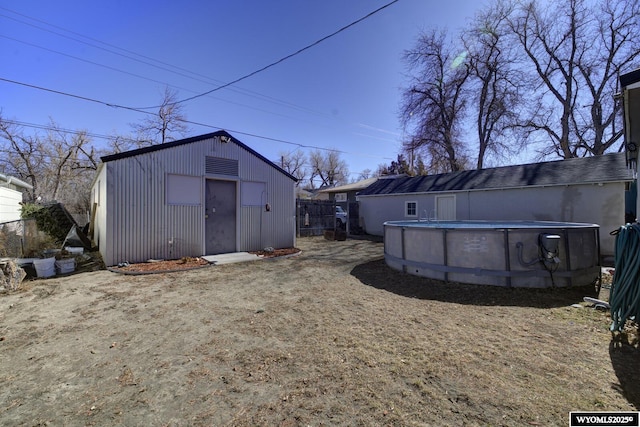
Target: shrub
{"x":45,"y":220}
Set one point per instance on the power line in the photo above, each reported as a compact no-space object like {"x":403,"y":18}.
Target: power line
{"x":131,"y":74}
{"x":275,"y":100}
{"x":238,"y":90}
{"x":82,"y":59}
{"x":291,"y":55}
{"x":112,"y":105}
{"x":181,"y":71}
{"x":63,"y":130}
{"x":84,"y":98}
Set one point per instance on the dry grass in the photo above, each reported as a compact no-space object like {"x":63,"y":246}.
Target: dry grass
{"x":330,"y":337}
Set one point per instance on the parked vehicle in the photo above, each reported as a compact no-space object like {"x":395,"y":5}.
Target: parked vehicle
{"x":341,"y":217}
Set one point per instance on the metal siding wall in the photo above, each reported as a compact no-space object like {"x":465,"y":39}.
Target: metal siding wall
{"x":143,"y":224}
{"x":139,"y":224}
{"x":278,"y":225}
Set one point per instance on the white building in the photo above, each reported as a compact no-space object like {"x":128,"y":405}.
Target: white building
{"x":11,"y":197}
{"x":597,"y":190}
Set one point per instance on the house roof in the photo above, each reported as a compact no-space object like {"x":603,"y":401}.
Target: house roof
{"x":596,"y":169}
{"x":12,"y":180}
{"x":355,"y":186}
{"x":630,"y":78}
{"x":220,"y":133}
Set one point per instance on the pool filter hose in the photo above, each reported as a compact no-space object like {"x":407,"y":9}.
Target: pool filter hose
{"x":625,"y":289}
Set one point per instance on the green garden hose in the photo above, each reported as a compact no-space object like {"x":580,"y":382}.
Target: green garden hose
{"x":625,"y":289}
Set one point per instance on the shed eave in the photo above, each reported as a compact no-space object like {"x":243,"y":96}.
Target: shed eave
{"x":220,"y":133}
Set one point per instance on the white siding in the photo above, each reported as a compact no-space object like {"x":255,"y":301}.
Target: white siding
{"x":589,"y":203}
{"x":9,"y":204}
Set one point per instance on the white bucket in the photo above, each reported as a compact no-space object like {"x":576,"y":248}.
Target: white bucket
{"x":45,"y":267}
{"x":75,"y":250}
{"x":66,"y":265}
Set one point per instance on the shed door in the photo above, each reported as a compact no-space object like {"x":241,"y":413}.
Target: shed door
{"x":446,"y":208}
{"x":220,"y":217}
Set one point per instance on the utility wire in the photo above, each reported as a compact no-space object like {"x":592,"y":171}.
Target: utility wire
{"x":84,"y":60}
{"x":180,"y":70}
{"x":140,"y":76}
{"x":137,"y":110}
{"x":291,"y":55}
{"x":132,"y":56}
{"x":84,"y":98}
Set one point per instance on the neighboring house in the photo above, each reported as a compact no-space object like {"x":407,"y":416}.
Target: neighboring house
{"x":11,"y":197}
{"x":303,"y":194}
{"x":630,"y":84}
{"x":204,"y":195}
{"x":348,"y":192}
{"x":591,"y":190}
{"x":345,"y":198}
{"x":310,"y":194}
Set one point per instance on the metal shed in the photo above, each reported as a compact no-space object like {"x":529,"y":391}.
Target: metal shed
{"x":598,"y":189}
{"x":204,"y":195}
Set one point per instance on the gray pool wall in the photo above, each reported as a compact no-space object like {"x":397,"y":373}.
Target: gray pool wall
{"x":488,"y":252}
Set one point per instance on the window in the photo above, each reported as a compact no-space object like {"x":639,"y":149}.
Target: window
{"x":411,"y":209}
{"x":183,"y":190}
{"x":341,"y":197}
{"x":253,"y":193}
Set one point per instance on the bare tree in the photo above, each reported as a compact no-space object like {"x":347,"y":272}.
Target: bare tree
{"x":400,"y":166}
{"x":165,"y":126}
{"x":365,"y":174}
{"x":294,"y":163}
{"x":22,"y":156}
{"x":434,"y":104}
{"x":59,"y":166}
{"x":577,"y":50}
{"x":493,"y":85}
{"x":617,"y":30}
{"x":328,"y":167}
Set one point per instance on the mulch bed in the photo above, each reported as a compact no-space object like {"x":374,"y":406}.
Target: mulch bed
{"x":188,"y":263}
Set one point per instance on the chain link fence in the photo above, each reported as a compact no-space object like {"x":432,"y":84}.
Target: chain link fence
{"x":21,"y":239}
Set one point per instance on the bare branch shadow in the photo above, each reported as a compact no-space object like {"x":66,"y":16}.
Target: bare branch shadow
{"x":378,"y":275}
{"x":625,"y":360}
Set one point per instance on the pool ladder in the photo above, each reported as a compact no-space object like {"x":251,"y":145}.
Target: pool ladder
{"x":428,"y":217}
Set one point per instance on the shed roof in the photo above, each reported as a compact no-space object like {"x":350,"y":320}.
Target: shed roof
{"x":596,"y":169}
{"x":193,"y":139}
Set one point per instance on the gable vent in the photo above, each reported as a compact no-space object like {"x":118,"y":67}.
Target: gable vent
{"x":218,"y":166}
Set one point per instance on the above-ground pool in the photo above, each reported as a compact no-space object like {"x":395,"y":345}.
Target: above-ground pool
{"x":531,"y":254}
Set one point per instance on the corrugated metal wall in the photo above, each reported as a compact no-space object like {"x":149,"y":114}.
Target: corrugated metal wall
{"x":140,"y":224}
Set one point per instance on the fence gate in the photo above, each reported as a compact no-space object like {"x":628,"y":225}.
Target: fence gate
{"x":315,"y":216}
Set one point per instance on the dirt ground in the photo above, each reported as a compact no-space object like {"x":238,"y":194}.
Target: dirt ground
{"x":329,"y":337}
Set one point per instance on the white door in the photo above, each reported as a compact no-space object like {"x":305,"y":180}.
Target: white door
{"x":446,"y":208}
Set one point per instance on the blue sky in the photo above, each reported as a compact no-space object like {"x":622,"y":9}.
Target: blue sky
{"x":342,"y":94}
